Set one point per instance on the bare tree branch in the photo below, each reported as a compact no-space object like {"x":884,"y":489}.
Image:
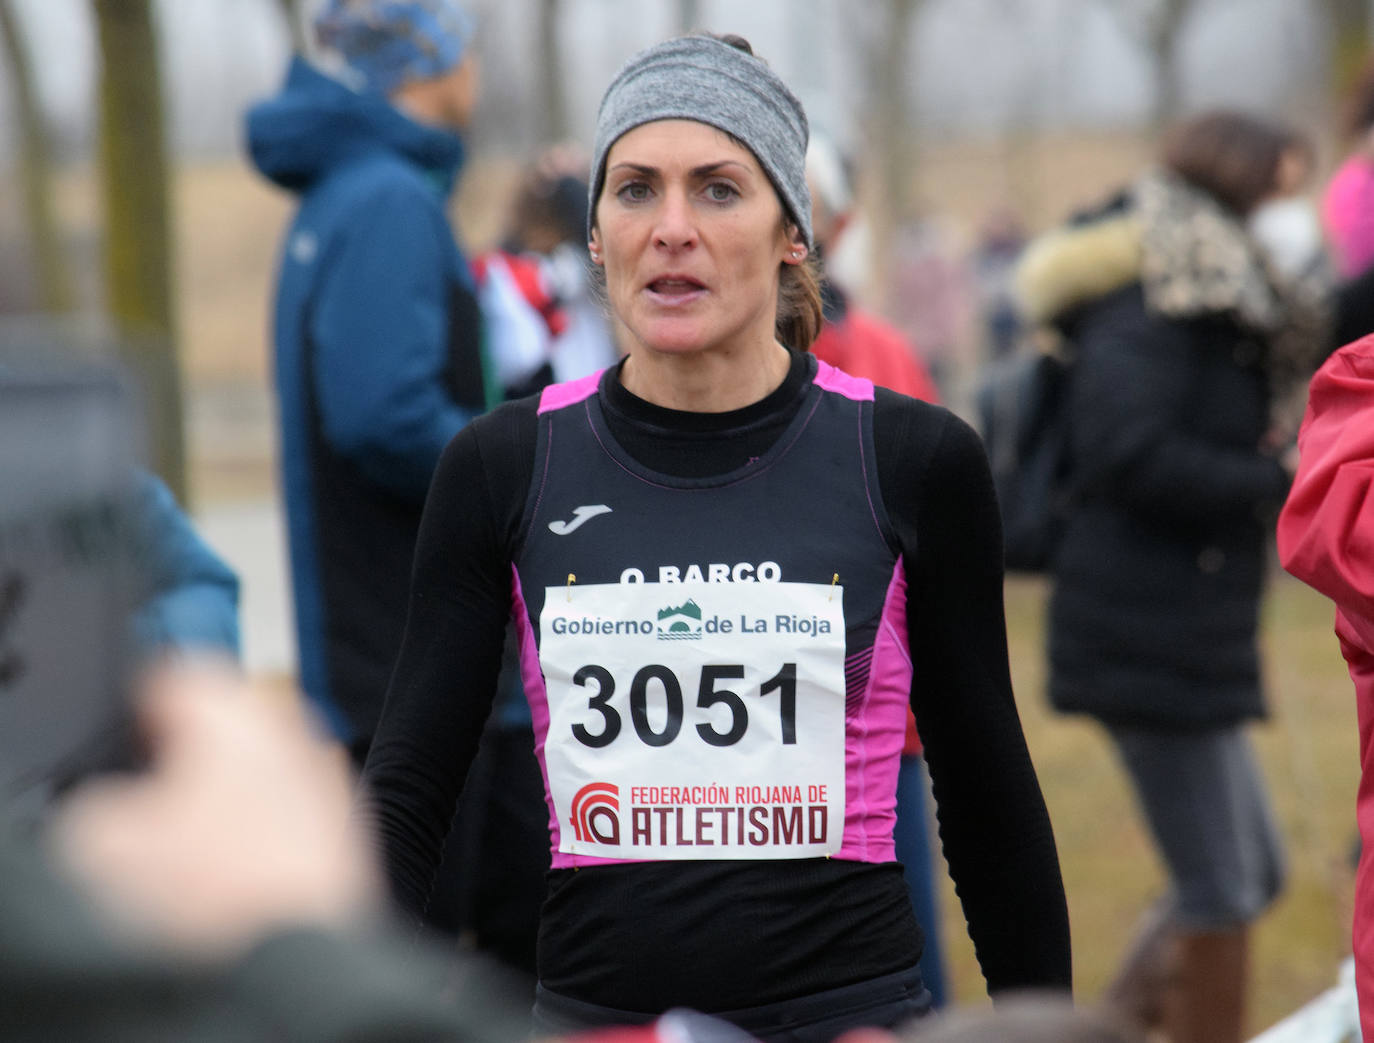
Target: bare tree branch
{"x":1157,"y":27}
{"x":1350,"y":29}
{"x":291,"y":11}
{"x":36,"y":172}
{"x":891,"y":130}
{"x":688,"y":16}
{"x":553,"y":107}
{"x":138,"y":241}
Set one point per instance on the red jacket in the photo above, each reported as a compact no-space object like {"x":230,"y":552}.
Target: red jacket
{"x":862,"y":345}
{"x":1326,"y":539}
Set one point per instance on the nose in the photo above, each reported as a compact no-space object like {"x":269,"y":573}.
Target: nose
{"x":675,"y":228}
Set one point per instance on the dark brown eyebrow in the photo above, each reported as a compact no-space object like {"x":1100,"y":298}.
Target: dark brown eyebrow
{"x":705,"y":170}
{"x":711,"y":168}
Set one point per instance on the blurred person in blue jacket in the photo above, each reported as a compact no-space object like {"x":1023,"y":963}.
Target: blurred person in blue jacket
{"x":188,"y":599}
{"x":182,"y":608}
{"x":378,"y":337}
{"x":102,"y":574}
{"x":187,"y":901}
{"x":379,"y":362}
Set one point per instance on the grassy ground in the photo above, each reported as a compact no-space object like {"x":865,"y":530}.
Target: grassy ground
{"x":1308,"y":750}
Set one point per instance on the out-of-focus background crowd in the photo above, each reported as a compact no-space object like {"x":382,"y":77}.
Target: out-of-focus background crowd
{"x":127,"y":203}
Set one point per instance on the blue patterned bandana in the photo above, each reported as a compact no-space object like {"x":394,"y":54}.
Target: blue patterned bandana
{"x":389,"y":43}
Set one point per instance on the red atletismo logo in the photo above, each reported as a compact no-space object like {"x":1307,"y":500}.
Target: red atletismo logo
{"x":596,"y":814}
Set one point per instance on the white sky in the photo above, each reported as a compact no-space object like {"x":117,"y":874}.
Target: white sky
{"x":979,"y":64}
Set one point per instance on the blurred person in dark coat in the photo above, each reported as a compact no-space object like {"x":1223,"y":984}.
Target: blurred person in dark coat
{"x":1193,"y":305}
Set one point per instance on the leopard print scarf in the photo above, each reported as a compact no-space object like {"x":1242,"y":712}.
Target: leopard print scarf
{"x":1198,"y":259}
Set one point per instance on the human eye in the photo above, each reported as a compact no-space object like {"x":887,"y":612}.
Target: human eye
{"x":721,"y":192}
{"x":633,"y":192}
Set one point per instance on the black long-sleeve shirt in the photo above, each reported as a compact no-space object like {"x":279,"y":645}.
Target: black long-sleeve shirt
{"x":759,"y":931}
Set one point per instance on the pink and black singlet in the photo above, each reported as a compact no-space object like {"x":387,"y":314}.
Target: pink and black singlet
{"x":722,"y":620}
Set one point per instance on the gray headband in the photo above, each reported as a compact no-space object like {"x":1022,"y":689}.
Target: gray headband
{"x":707,"y":80}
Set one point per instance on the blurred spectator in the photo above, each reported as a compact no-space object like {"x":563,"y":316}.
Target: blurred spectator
{"x":1326,"y":538}
{"x":544,"y":319}
{"x":1000,"y":242}
{"x":379,"y":363}
{"x":1189,"y":324}
{"x":190,"y":598}
{"x":852,"y":339}
{"x":224,"y":894}
{"x":930,"y":293}
{"x":864,"y":346}
{"x":101,"y":572}
{"x":378,"y":359}
{"x":72,"y":438}
{"x":1348,"y":203}
{"x":1348,"y":217}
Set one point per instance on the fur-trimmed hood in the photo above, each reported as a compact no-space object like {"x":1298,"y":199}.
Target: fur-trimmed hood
{"x":1076,"y":264}
{"x":1192,"y":259}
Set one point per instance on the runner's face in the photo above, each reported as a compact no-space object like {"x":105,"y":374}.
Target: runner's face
{"x":461,"y":87}
{"x":691,"y":234}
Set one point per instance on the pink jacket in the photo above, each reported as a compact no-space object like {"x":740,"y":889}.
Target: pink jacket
{"x":1326,"y":539}
{"x":1348,"y":215}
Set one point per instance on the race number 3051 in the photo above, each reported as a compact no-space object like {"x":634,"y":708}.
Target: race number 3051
{"x":696,"y":689}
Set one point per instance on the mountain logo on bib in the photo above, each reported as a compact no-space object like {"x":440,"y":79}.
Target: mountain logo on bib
{"x":680,"y":622}
{"x":595,"y":815}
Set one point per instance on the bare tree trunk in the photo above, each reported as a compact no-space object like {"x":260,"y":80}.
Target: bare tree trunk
{"x":1165,"y":38}
{"x":291,"y":11}
{"x":138,"y":247}
{"x":891,"y":131}
{"x":1158,"y":28}
{"x":36,"y":173}
{"x":1351,"y":33}
{"x":689,"y":16}
{"x":553,"y":108}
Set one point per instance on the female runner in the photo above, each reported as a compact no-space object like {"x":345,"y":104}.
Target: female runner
{"x":730,"y":568}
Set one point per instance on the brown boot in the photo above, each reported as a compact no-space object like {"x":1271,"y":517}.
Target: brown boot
{"x":1147,"y":970}
{"x":1207,"y":1002}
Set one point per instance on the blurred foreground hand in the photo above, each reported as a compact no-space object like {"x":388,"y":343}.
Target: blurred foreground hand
{"x":241,"y":823}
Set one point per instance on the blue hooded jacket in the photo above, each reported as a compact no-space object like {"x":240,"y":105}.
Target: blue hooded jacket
{"x":188,"y":599}
{"x":378,"y":365}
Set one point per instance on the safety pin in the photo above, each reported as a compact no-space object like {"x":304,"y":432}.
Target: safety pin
{"x":571,"y":580}
{"x":833,"y":581}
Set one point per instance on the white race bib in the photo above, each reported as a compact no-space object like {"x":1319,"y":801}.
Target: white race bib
{"x":696,"y":720}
